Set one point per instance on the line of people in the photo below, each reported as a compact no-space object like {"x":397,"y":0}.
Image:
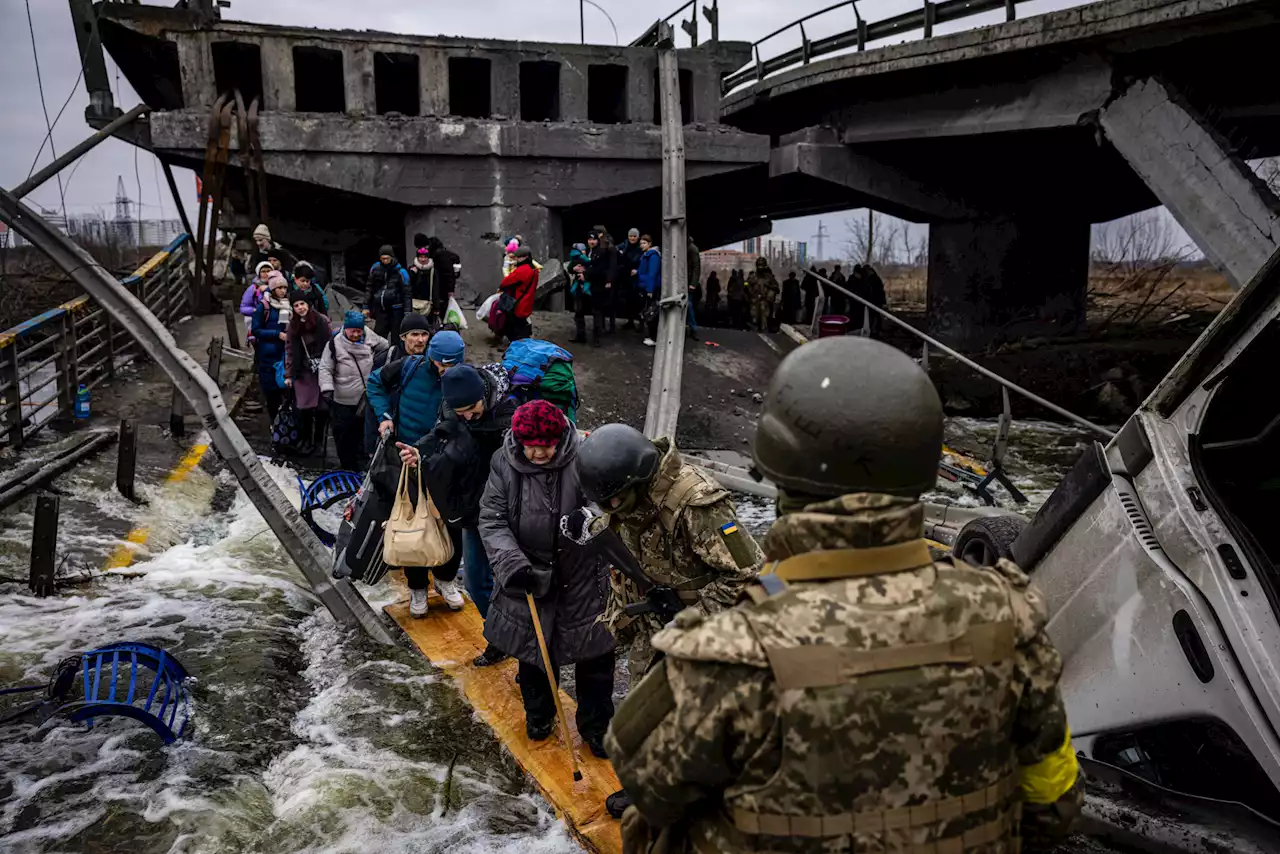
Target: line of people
{"x":605,"y":279}
{"x":758,"y":301}
{"x":837,"y":687}
{"x":780,"y":697}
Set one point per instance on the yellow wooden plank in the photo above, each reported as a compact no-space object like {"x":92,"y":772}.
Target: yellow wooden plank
{"x":450,"y":640}
{"x":122,"y":558}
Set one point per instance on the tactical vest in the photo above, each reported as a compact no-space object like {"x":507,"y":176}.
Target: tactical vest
{"x":921,"y":685}
{"x":655,"y":544}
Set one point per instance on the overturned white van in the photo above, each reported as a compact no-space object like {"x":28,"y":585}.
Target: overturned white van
{"x":1158,"y":558}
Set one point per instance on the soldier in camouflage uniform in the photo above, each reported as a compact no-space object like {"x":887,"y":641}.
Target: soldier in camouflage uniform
{"x":868,"y":699}
{"x":679,"y":523}
{"x":764,"y":293}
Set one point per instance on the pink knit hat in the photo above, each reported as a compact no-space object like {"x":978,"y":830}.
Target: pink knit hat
{"x":513,"y":246}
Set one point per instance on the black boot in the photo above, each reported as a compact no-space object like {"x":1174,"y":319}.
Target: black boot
{"x":491,"y":656}
{"x":617,"y":803}
{"x":539,"y":730}
{"x":595,"y":743}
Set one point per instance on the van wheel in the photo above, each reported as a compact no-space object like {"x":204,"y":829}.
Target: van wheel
{"x":985,"y":540}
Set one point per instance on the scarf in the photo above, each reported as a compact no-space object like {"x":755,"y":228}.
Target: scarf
{"x":282,"y":306}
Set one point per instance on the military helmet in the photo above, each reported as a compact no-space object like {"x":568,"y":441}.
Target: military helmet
{"x":850,"y":414}
{"x":614,"y":457}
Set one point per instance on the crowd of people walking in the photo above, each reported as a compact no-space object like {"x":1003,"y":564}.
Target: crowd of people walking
{"x":576,"y":547}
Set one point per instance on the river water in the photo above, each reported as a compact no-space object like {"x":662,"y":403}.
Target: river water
{"x":306,"y":738}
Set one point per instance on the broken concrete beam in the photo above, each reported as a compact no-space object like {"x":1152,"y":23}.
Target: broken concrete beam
{"x":886,"y":187}
{"x":1232,"y":216}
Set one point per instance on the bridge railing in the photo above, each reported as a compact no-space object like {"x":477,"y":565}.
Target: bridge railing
{"x":45,"y":360}
{"x":923,"y":19}
{"x":711,"y":12}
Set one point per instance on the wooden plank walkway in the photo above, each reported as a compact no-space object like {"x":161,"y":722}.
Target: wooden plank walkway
{"x":450,"y":640}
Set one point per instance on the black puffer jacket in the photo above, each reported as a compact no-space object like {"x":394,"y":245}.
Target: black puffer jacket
{"x":520,"y":525}
{"x":604,"y":268}
{"x":457,"y":453}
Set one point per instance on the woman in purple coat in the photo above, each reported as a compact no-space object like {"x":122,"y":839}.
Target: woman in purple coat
{"x":309,"y":334}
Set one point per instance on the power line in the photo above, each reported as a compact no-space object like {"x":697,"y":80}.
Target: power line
{"x":35,"y":55}
{"x":155,"y":176}
{"x":48,"y":138}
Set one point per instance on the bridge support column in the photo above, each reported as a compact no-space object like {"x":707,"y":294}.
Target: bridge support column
{"x":1213,"y":194}
{"x":476,"y":234}
{"x":994,"y":280}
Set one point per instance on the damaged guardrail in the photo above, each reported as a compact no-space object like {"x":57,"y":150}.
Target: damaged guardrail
{"x":44,"y":360}
{"x":930,"y":341}
{"x":202,"y":393}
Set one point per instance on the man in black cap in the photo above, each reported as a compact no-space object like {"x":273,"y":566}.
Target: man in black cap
{"x":475,"y":413}
{"x":389,"y":294}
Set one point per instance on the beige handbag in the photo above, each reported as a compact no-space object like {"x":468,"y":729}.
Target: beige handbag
{"x":415,"y":537}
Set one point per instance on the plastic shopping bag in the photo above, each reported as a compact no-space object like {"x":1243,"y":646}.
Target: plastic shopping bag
{"x":482,"y":313}
{"x":453,"y":314}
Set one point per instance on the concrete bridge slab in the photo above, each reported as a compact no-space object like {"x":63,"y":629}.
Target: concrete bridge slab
{"x":1232,"y":216}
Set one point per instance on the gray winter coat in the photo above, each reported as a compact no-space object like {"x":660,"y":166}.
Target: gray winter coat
{"x":345,"y":367}
{"x":520,"y":526}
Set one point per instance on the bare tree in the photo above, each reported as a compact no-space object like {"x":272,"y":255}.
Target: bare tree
{"x":872,"y":239}
{"x":1137,"y":257}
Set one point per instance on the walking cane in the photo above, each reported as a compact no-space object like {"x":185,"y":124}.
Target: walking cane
{"x":555,"y":689}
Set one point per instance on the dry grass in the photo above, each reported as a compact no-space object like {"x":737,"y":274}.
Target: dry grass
{"x":1113,"y":299}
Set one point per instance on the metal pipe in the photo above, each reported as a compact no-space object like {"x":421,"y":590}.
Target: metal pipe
{"x":1014,"y":387}
{"x":663,"y":411}
{"x":77,"y":152}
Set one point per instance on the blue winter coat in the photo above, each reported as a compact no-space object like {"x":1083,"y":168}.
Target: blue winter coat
{"x":575,"y":258}
{"x":267,"y":327}
{"x":406,"y":391}
{"x":650,"y":271}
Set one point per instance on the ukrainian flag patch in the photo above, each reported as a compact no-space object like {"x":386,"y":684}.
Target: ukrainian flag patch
{"x":729,"y":528}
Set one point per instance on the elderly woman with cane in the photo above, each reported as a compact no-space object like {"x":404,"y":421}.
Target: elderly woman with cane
{"x":532,"y":485}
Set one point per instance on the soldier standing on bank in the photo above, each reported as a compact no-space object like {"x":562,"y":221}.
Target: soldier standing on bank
{"x":867,"y":698}
{"x":764,"y":291}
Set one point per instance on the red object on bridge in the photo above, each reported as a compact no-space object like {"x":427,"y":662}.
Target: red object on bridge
{"x":832,"y":324}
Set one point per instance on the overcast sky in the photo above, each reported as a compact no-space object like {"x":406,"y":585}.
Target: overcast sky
{"x":92,"y":185}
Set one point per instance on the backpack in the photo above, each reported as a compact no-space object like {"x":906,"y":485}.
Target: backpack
{"x":540,"y":370}
{"x":285,"y":438}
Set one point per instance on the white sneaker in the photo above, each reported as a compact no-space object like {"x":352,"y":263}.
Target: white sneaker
{"x":452,"y":596}
{"x":649,"y":342}
{"x":417,"y":603}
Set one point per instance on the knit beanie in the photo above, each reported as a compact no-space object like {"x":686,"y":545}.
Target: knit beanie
{"x":462,"y":386}
{"x":512,"y":246}
{"x":386,"y":249}
{"x":538,"y":422}
{"x":297,"y":295}
{"x":353,"y":320}
{"x":262,"y":231}
{"x":263,"y":265}
{"x":446,"y":347}
{"x":274,"y":279}
{"x":413,"y":323}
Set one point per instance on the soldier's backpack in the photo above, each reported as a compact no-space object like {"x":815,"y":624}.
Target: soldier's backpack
{"x":540,"y":370}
